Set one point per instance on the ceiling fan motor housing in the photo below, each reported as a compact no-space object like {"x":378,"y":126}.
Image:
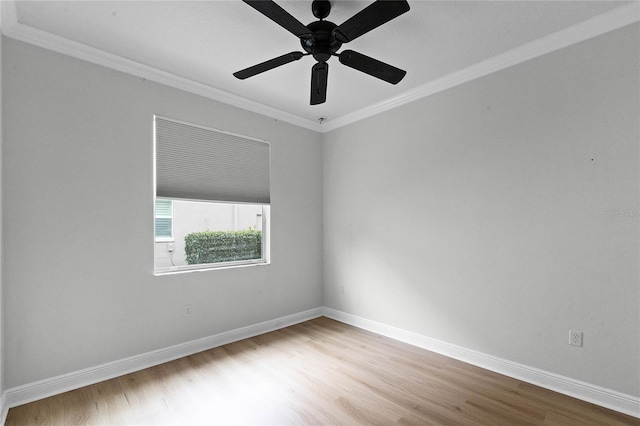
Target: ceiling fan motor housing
{"x":323,"y":44}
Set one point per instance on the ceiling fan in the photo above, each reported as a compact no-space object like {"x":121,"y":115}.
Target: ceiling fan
{"x":322,"y":39}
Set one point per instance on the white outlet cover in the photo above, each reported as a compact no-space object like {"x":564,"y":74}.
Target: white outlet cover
{"x":575,"y":338}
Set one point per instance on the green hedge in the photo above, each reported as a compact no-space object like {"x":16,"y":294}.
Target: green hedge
{"x":222,"y":246}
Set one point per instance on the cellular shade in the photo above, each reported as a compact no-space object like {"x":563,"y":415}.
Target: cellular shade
{"x":196,"y":163}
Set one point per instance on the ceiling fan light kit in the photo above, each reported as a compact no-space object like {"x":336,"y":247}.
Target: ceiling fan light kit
{"x":322,"y":39}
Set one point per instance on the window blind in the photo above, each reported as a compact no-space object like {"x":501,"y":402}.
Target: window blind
{"x":163,"y":227}
{"x":196,"y":163}
{"x":164,"y":208}
{"x":164,"y":219}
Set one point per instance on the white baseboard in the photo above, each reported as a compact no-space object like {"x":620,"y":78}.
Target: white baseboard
{"x":608,"y":398}
{"x":44,"y":388}
{"x":19,"y":395}
{"x":4,"y":409}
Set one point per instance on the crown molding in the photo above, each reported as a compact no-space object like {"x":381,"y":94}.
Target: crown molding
{"x":595,"y":26}
{"x":12,"y":28}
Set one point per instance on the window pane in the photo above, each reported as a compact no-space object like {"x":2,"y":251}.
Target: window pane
{"x":163,"y":208}
{"x":210,"y":233}
{"x":163,"y":227}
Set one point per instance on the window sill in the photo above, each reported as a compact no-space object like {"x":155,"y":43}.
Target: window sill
{"x":165,"y":240}
{"x":209,"y":267}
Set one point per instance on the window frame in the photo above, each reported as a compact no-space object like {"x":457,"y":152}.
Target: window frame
{"x":265,"y":258}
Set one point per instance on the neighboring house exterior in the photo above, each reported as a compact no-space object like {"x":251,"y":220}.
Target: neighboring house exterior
{"x":175,"y":219}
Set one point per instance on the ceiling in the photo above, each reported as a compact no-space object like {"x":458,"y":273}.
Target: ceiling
{"x":197,"y":45}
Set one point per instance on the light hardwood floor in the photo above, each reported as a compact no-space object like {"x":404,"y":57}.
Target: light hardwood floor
{"x":318,"y":372}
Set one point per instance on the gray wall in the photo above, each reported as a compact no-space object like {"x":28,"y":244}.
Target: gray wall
{"x":2,"y":387}
{"x":485,"y":216}
{"x":499,"y":214}
{"x":78,"y":205}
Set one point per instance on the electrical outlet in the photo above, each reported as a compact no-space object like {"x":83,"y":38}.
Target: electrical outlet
{"x":341,"y":289}
{"x":188,"y":310}
{"x":575,"y":338}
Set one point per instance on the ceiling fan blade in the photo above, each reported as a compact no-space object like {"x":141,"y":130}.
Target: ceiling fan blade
{"x":369,"y":18}
{"x":280,"y":16}
{"x":319,"y":75}
{"x":268,"y":65}
{"x":372,"y":66}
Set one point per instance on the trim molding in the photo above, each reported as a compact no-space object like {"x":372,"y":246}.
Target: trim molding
{"x":14,"y":29}
{"x":600,"y":24}
{"x":4,"y":410}
{"x":608,"y":398}
{"x":56,"y":385}
{"x":593,"y":27}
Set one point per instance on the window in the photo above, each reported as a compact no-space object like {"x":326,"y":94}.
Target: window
{"x":164,"y":220}
{"x":212,"y":198}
